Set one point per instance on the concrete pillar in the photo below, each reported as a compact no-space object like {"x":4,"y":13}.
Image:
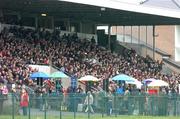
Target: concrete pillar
{"x":116,"y":30}
{"x":1,"y":16}
{"x":146,"y":40}
{"x":95,"y":28}
{"x":139,"y":45}
{"x":18,"y":16}
{"x":123,"y":33}
{"x":131,"y":34}
{"x":68,"y":26}
{"x":138,"y":35}
{"x":154,"y":42}
{"x":36,"y":21}
{"x":52,"y":22}
{"x":1,"y":13}
{"x":109,"y":37}
{"x":80,"y":27}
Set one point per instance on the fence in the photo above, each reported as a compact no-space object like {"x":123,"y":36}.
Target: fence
{"x":71,"y":106}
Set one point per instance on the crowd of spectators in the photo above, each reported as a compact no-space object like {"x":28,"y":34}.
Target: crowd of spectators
{"x":79,"y":57}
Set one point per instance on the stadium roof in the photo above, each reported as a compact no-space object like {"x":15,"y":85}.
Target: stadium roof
{"x":114,"y":12}
{"x":168,"y":8}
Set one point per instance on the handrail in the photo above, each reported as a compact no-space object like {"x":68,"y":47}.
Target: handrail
{"x":171,"y":62}
{"x":142,"y":43}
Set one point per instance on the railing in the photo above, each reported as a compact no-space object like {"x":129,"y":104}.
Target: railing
{"x":134,"y":41}
{"x":72,"y":106}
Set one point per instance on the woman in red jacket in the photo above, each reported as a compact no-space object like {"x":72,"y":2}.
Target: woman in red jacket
{"x":24,"y":101}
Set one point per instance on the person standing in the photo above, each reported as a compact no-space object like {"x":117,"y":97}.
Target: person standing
{"x":126,"y":101}
{"x":5,"y":92}
{"x":1,"y":100}
{"x":24,"y":101}
{"x":89,"y":102}
{"x":109,"y":104}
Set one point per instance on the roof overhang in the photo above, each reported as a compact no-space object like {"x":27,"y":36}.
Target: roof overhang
{"x":98,"y":12}
{"x":127,"y":6}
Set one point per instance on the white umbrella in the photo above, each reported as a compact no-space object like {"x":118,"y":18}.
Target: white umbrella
{"x":158,"y":83}
{"x":135,"y":82}
{"x":89,"y":78}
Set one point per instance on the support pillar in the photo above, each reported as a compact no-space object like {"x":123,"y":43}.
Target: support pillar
{"x":1,"y":13}
{"x":95,"y":28}
{"x":123,"y":33}
{"x":18,"y":16}
{"x":116,"y":30}
{"x":131,"y":34}
{"x":80,"y":27}
{"x":1,"y":16}
{"x":138,"y":35}
{"x":139,"y":46}
{"x":36,"y":22}
{"x":154,"y":42}
{"x":109,"y":37}
{"x":52,"y":22}
{"x":146,"y":40}
{"x":68,"y":27}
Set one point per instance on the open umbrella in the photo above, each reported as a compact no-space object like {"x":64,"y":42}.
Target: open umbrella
{"x":59,"y":74}
{"x":123,"y":77}
{"x":136,"y":82}
{"x":39,"y":75}
{"x":147,"y":81}
{"x":88,"y":78}
{"x":158,"y":83}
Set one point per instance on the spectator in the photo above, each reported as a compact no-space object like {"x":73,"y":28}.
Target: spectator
{"x":4,"y":91}
{"x":24,"y":101}
{"x":79,"y":89}
{"x":89,"y":102}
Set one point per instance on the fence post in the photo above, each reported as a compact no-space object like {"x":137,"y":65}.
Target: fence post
{"x":102,"y":105}
{"x":74,"y":99}
{"x":60,"y":107}
{"x":175,"y":99}
{"x":44,"y":107}
{"x":115,"y":102}
{"x":29,"y":108}
{"x":88,"y":107}
{"x":12,"y":105}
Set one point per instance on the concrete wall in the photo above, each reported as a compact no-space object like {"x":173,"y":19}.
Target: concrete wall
{"x":135,"y":32}
{"x":165,"y":36}
{"x":165,"y":39}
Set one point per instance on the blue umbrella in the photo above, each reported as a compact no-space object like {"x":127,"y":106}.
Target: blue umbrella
{"x":59,"y":74}
{"x":39,"y":75}
{"x":123,"y":77}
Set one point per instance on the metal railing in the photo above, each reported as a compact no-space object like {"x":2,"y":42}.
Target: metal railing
{"x":73,"y":106}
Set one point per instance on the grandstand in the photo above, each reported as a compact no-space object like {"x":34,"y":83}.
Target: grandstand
{"x":50,"y":36}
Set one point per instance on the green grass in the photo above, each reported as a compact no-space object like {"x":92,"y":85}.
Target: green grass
{"x":91,"y":117}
